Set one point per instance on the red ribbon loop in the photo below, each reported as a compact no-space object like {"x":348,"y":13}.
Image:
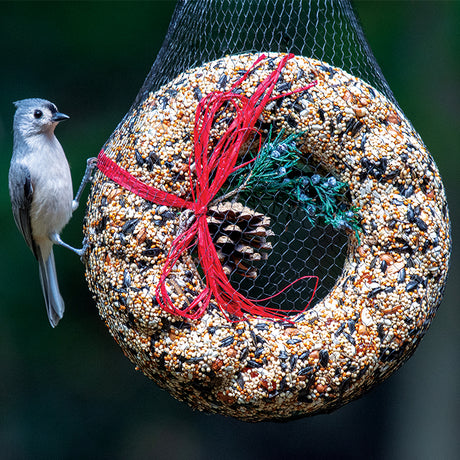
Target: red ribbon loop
{"x":212,"y":169}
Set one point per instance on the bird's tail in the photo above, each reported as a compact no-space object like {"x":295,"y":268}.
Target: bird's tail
{"x":53,"y":300}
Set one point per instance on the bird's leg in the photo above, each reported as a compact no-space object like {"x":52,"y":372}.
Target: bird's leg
{"x":90,"y":165}
{"x":56,"y":239}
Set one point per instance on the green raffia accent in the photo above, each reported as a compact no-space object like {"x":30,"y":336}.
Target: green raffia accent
{"x":278,"y":169}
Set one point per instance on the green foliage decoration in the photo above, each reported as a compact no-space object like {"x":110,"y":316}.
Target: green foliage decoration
{"x":278,"y":170}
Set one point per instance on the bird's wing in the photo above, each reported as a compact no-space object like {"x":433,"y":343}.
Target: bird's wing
{"x":21,"y":192}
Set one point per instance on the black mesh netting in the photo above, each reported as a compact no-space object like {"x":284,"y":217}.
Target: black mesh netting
{"x":201,"y":31}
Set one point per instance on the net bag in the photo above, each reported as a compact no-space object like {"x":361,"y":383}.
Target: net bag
{"x":268,"y":235}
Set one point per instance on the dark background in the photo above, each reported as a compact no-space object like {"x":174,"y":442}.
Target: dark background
{"x":70,"y":392}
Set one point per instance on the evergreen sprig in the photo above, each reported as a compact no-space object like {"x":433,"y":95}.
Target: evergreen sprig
{"x":278,"y":169}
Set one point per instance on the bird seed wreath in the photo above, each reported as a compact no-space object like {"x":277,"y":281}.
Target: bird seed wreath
{"x":187,"y":212}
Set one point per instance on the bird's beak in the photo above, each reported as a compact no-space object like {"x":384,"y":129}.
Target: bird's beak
{"x":58,"y":116}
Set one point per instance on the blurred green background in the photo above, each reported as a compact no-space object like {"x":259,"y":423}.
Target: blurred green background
{"x":70,"y":392}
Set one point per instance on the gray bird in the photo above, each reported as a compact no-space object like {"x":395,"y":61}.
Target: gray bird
{"x":41,"y":191}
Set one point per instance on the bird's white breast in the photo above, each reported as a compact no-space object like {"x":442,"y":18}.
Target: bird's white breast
{"x":51,"y":206}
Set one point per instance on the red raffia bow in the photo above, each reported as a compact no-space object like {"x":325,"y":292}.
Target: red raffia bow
{"x":212,"y":168}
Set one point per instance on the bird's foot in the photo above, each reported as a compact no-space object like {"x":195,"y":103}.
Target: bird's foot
{"x":56,"y":239}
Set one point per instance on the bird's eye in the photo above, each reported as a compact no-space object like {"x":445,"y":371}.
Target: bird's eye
{"x":38,"y":114}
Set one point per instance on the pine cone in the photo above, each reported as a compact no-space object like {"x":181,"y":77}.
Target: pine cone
{"x":240,"y":237}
